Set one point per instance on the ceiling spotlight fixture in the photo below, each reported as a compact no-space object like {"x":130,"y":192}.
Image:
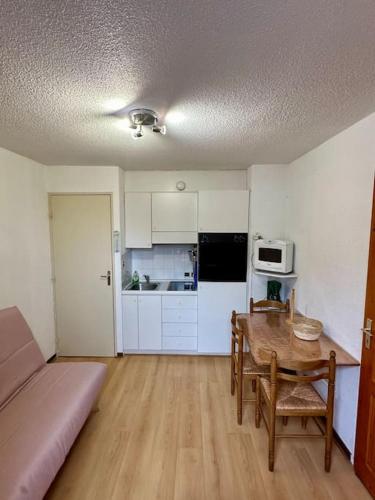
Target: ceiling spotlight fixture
{"x":137,"y":132}
{"x":142,"y":117}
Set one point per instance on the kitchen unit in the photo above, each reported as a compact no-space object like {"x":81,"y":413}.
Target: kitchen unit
{"x":171,"y":317}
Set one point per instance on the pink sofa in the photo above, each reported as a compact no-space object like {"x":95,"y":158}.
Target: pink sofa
{"x":42,"y":409}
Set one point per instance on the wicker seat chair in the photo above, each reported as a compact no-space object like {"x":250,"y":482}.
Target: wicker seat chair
{"x":288,"y":395}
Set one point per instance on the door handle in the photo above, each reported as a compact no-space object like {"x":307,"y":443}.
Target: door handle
{"x":367,"y":330}
{"x":106,"y":277}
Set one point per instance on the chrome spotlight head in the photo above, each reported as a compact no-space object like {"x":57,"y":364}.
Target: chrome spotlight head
{"x":159,"y":129}
{"x":138,"y":132}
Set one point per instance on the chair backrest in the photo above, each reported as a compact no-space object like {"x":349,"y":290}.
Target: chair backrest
{"x":327,"y":371}
{"x":268,"y":305}
{"x":20,"y":356}
{"x":233,"y":319}
{"x":237,"y":333}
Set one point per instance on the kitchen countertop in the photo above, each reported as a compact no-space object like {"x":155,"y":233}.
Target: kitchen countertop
{"x":161,"y":290}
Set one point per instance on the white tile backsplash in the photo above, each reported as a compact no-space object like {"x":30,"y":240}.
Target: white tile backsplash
{"x":161,"y":261}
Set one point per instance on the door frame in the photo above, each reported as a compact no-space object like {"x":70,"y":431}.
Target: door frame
{"x":52,"y":257}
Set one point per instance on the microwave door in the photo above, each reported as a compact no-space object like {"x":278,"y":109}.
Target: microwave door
{"x":270,"y":255}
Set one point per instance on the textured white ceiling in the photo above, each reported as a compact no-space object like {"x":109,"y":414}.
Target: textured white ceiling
{"x":238,"y":81}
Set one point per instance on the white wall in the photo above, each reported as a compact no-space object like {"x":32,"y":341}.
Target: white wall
{"x":25,"y":265}
{"x":158,"y":180}
{"x":267,"y":216}
{"x":96,"y":179}
{"x":268,"y":197}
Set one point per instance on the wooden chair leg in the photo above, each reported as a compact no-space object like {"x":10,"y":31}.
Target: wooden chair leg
{"x":257,"y":404}
{"x":239,"y":396}
{"x":304,"y":422}
{"x":253,"y":385}
{"x":328,"y":450}
{"x":271,"y":441}
{"x":285,"y":420}
{"x":232,"y":370}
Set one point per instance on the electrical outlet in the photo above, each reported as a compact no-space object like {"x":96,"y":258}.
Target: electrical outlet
{"x":186,"y":275}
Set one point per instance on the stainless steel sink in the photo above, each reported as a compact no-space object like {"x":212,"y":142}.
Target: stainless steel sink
{"x":144,"y":286}
{"x":181,"y":286}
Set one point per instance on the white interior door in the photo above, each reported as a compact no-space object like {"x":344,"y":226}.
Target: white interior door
{"x":82,"y":259}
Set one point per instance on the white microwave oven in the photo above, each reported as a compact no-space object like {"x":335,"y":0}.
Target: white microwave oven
{"x":273,"y":255}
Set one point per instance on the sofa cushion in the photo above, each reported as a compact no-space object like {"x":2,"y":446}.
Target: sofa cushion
{"x":39,"y":425}
{"x":20,"y":356}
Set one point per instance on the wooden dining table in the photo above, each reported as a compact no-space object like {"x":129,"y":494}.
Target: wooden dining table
{"x":270,"y":331}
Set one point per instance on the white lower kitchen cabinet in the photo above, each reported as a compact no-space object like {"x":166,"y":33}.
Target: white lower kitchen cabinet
{"x":149,"y":322}
{"x":130,"y":322}
{"x":179,"y":323}
{"x":142,"y":322}
{"x":216,"y":301}
{"x":180,"y":315}
{"x":180,"y":343}
{"x":155,"y":322}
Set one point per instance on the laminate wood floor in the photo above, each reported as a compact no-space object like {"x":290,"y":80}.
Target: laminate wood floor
{"x":167,"y":429}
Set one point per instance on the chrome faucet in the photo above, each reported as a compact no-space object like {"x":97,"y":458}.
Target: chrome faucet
{"x":147,"y":278}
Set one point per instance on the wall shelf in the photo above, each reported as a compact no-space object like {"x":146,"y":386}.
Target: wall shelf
{"x":276,"y":275}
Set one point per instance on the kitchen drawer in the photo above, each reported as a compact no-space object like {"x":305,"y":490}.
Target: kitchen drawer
{"x":180,"y":315}
{"x":180,"y":330}
{"x":179,"y":343}
{"x":179,"y":302}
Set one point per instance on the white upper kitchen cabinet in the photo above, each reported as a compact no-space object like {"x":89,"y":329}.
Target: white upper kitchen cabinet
{"x":223,"y":211}
{"x":174,"y":212}
{"x":138,"y":220}
{"x":149,"y":322}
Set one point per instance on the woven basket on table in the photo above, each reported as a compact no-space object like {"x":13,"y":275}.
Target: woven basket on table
{"x":306,"y":328}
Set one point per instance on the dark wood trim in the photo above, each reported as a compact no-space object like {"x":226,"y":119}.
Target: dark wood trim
{"x":340,"y":443}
